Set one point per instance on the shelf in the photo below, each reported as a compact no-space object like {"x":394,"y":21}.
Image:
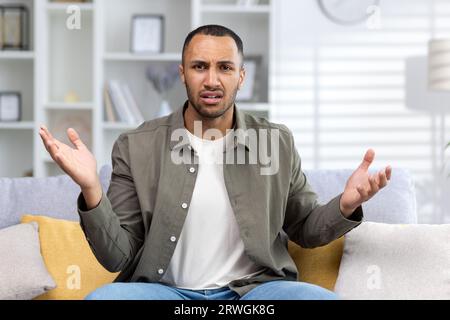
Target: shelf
{"x":256,"y":106}
{"x":230,"y":8}
{"x":62,"y":7}
{"x":142,"y":57}
{"x":16,"y":55}
{"x":25,"y":125}
{"x":119,"y":126}
{"x":69,"y":106}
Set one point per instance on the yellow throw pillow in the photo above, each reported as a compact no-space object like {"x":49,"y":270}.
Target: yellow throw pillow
{"x":320,"y":265}
{"x":69,"y":259}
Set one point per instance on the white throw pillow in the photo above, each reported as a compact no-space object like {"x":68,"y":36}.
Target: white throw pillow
{"x":23,"y":274}
{"x":395,"y":261}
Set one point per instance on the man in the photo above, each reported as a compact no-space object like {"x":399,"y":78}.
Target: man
{"x":179,"y":224}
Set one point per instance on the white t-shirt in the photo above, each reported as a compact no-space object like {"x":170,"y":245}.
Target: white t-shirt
{"x":210,"y":251}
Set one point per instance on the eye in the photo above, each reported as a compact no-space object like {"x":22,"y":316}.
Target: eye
{"x":226,"y":68}
{"x":199,"y":67}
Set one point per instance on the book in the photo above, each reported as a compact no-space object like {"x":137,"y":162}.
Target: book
{"x":120,"y":103}
{"x":110,"y":115}
{"x":132,"y":105}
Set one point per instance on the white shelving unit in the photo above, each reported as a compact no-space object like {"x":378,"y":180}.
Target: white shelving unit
{"x":16,"y":74}
{"x":80,"y":62}
{"x":16,"y":55}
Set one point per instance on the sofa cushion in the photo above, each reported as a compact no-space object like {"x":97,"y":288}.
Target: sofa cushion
{"x":52,"y":196}
{"x":319,"y":266}
{"x":388,"y":261}
{"x":69,"y":259}
{"x":396,"y":203}
{"x":23,"y":274}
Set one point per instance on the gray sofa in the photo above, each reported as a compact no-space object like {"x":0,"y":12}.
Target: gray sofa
{"x":56,"y":197}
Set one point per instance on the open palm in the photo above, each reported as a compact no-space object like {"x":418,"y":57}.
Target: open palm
{"x":361,"y":186}
{"x":78,"y":162}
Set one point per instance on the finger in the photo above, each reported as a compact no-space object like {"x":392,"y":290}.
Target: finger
{"x":47,"y":132}
{"x":388,"y":172}
{"x":43,"y":135}
{"x":46,"y":135}
{"x":368,"y":159}
{"x":383,"y":178}
{"x":51,"y":144}
{"x":377,"y":178}
{"x":53,"y":149}
{"x":374,"y":188}
{"x":75,"y":138}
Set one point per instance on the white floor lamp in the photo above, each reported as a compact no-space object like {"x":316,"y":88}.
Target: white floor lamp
{"x":439,"y":81}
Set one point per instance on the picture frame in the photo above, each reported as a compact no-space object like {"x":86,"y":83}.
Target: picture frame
{"x":249,"y":91}
{"x":14,"y":25}
{"x":10,"y":106}
{"x":1,"y":27}
{"x":147,"y":33}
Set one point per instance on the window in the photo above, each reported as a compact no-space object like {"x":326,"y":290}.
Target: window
{"x":340,"y":89}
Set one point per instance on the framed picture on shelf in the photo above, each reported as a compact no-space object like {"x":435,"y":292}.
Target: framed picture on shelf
{"x":249,"y":91}
{"x":1,"y":28}
{"x":10,"y":106}
{"x":15,"y":23}
{"x":147,"y":33}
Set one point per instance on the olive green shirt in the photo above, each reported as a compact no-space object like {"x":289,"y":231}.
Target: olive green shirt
{"x":136,"y":226}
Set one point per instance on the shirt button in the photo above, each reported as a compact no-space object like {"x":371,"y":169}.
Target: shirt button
{"x":173,"y":238}
{"x":160,"y":271}
{"x":184,"y":205}
{"x":191,"y":169}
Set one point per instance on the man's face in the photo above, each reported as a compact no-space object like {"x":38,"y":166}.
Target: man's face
{"x":212,"y":74}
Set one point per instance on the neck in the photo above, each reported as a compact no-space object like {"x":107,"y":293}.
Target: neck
{"x":222,"y":123}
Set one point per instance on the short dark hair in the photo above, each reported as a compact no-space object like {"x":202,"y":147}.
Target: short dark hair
{"x":217,"y":31}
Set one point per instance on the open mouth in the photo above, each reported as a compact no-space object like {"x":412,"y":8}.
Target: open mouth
{"x":211,"y":97}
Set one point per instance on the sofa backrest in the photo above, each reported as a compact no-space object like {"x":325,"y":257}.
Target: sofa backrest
{"x":396,"y":203}
{"x":56,"y":196}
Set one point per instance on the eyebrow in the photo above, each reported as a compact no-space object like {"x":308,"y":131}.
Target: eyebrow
{"x":219,"y":62}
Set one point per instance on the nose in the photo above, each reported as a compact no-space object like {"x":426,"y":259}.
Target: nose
{"x":212,"y":78}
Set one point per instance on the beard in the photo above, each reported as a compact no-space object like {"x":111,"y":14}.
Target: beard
{"x":212,"y":112}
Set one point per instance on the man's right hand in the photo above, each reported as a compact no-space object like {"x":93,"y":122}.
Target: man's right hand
{"x":78,"y":162}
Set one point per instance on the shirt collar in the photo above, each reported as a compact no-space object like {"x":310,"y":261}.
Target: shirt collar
{"x":177,"y":124}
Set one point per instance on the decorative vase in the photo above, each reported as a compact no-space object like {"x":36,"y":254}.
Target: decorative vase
{"x":164,"y":109}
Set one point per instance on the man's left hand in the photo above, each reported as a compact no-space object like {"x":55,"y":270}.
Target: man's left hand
{"x":361,"y":186}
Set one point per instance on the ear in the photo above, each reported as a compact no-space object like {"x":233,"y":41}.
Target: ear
{"x":181,"y":72}
{"x":241,"y":78}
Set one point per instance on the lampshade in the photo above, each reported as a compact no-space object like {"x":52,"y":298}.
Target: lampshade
{"x":439,"y":65}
